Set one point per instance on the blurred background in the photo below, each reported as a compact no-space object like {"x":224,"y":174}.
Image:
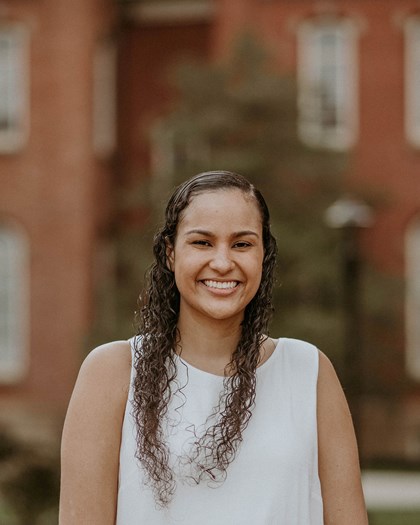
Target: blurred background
{"x":105,"y":105}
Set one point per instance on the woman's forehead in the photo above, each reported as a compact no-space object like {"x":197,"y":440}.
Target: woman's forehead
{"x":228,"y":206}
{"x":225,"y":199}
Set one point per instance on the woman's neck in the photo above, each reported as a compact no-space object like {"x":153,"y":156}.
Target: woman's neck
{"x":208,"y":346}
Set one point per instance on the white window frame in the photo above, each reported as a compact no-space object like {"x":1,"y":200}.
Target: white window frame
{"x":412,"y":300}
{"x":14,"y":303}
{"x":105,"y":98}
{"x":412,"y":80}
{"x":312,"y":61}
{"x":14,"y":87}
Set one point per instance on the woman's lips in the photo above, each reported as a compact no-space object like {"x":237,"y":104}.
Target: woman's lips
{"x":220,"y":285}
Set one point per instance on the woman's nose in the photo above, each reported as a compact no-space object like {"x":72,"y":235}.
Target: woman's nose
{"x":221,"y":261}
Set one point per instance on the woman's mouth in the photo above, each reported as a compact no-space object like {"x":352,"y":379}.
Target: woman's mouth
{"x":221,"y":285}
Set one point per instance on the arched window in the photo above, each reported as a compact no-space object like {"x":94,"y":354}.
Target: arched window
{"x":14,"y":87}
{"x":14,"y":303}
{"x":413,"y":299}
{"x":328,"y":82}
{"x":412,"y":80}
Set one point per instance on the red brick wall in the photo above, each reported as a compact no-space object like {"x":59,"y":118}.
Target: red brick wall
{"x":381,"y":161}
{"x":55,"y":187}
{"x":49,"y":188}
{"x":147,"y":54}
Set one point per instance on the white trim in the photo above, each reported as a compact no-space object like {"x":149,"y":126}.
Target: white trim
{"x":14,"y":70}
{"x":171,"y":12}
{"x":412,"y":80}
{"x":342,"y":61}
{"x":391,"y":490}
{"x":14,"y":290}
{"x":412,"y":300}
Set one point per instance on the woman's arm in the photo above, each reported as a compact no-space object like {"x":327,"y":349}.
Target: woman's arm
{"x":339,"y":469}
{"x":91,"y":437}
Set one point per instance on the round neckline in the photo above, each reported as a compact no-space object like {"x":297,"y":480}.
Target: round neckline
{"x":219,"y":377}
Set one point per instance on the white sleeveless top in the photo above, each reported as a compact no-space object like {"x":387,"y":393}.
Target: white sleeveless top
{"x":274,"y":478}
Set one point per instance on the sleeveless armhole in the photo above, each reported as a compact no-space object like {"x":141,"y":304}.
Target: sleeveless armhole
{"x":133,"y":342}
{"x":128,"y":427}
{"x":302,"y":360}
{"x":316,"y":483}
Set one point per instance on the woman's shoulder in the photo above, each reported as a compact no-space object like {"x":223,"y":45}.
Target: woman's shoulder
{"x":109,"y":355}
{"x":101,"y":390}
{"x":328,"y":382}
{"x":298,"y":350}
{"x":92,"y":435}
{"x":305,"y":355}
{"x":107,"y":364}
{"x":296,"y":344}
{"x":294,"y":356}
{"x":337,"y":448}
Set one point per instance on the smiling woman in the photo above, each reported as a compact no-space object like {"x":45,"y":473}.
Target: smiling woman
{"x":217,"y":267}
{"x":202,"y":417}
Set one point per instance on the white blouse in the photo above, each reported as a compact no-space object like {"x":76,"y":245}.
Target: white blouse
{"x":274,"y":478}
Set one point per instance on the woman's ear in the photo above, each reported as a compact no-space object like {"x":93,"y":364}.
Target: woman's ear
{"x":170,"y":256}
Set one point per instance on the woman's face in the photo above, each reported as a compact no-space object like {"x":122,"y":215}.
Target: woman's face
{"x":218,"y":254}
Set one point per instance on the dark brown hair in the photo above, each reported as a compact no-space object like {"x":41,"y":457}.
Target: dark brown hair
{"x":154,"y":358}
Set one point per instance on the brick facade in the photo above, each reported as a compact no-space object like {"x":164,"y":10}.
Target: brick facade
{"x":382,"y":157}
{"x":58,"y":190}
{"x":382,"y":163}
{"x":49,"y":188}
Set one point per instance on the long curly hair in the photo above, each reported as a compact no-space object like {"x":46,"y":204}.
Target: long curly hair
{"x":154,"y":358}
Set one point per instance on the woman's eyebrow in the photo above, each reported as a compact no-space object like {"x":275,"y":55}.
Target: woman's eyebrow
{"x":207,"y":233}
{"x":244,"y":233}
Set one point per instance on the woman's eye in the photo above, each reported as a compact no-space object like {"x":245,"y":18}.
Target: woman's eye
{"x":201,"y":243}
{"x":242,"y":244}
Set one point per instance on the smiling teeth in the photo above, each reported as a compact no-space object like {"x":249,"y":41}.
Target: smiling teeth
{"x":218,"y":284}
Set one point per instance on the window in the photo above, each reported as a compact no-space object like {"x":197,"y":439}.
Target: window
{"x":105,"y":99}
{"x":13,"y":303}
{"x":327,"y":80}
{"x":413,"y":299}
{"x":412,"y":80}
{"x":13,"y":88}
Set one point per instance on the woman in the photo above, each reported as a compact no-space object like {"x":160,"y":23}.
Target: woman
{"x":202,"y":418}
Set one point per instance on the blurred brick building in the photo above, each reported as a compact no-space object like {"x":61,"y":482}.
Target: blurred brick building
{"x":358,"y":69}
{"x":55,"y":141}
{"x":357,"y":64}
